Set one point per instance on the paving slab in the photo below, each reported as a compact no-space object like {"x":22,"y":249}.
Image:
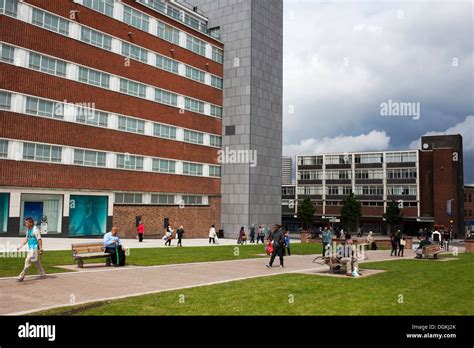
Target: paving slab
{"x":108,"y":283}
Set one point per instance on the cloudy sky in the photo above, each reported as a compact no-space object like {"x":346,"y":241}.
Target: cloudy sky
{"x":343,"y":59}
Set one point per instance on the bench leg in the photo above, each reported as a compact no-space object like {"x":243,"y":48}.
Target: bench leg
{"x":80,"y":264}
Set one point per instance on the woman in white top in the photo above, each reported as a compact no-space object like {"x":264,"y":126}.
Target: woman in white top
{"x":212,"y":235}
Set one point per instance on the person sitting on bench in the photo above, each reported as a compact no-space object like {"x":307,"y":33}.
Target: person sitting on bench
{"x":113,"y":246}
{"x":371,"y":241}
{"x":346,"y":255}
{"x":419,"y":250}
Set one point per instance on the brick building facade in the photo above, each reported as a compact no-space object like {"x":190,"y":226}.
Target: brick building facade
{"x":109,"y":111}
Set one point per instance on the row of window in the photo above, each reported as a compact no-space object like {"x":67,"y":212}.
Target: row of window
{"x":370,"y":190}
{"x":59,"y":25}
{"x":9,"y":7}
{"x":398,"y":157}
{"x":366,"y":203}
{"x":101,"y":79}
{"x":164,"y":31}
{"x":163,"y":7}
{"x":401,"y":173}
{"x":374,"y":174}
{"x":53,"y":154}
{"x":129,"y":50}
{"x":168,"y":199}
{"x":46,"y":108}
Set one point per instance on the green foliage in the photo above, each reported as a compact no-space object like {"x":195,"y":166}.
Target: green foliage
{"x":393,"y":215}
{"x":351,"y":212}
{"x":306,"y":213}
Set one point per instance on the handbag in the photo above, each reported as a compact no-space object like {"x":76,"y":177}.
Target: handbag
{"x":403,"y":242}
{"x":269,"y":249}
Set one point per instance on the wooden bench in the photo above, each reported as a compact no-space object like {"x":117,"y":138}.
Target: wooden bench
{"x":85,"y":251}
{"x":334,"y":264}
{"x":431,"y":250}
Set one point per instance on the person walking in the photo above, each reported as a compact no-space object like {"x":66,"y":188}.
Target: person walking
{"x":277,"y":240}
{"x":252,"y":233}
{"x":35,"y":249}
{"x":179,"y":235}
{"x":169,"y":235}
{"x":436,"y":237}
{"x":394,"y":243}
{"x":446,"y":238}
{"x":140,"y":231}
{"x":242,"y":236}
{"x":212,"y":235}
{"x":401,"y":245}
{"x":326,"y":239}
{"x":268,"y":232}
{"x":287,"y":243}
{"x":261,"y":234}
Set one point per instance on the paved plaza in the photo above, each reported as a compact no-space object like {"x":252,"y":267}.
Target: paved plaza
{"x":63,"y":289}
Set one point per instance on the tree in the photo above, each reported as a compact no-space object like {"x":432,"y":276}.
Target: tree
{"x":306,"y":213}
{"x":393,"y":215}
{"x":351,"y":212}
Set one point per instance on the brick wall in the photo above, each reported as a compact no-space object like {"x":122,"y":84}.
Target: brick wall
{"x":469,"y":246}
{"x":40,"y":129}
{"x":46,"y":175}
{"x":196,"y":220}
{"x":120,"y":29}
{"x":62,"y":47}
{"x":32,"y":82}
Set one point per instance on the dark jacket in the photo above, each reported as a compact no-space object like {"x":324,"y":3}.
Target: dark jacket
{"x":278,"y":239}
{"x":180,"y":232}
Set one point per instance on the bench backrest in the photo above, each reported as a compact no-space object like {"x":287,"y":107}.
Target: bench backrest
{"x":431,"y":248}
{"x":83,"y":248}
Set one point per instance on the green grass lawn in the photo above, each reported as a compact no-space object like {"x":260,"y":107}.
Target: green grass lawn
{"x":12,"y":266}
{"x":427,"y":287}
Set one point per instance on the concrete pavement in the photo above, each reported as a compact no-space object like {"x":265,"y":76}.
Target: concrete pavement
{"x":63,"y":289}
{"x":10,"y":243}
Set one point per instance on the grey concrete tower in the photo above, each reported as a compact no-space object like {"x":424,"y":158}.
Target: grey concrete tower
{"x":252,"y":32}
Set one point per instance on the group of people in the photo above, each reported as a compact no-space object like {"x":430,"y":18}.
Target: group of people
{"x":256,"y":235}
{"x":442,"y":237}
{"x":398,"y":242}
{"x":170,"y":234}
{"x":275,"y":237}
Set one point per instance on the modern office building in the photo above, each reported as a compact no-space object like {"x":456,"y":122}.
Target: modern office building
{"x":110,"y":113}
{"x":252,"y":31}
{"x":427,"y":184}
{"x":289,"y":219}
{"x":286,"y":170}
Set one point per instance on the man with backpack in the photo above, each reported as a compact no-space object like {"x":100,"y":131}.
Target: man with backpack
{"x":278,"y":242}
